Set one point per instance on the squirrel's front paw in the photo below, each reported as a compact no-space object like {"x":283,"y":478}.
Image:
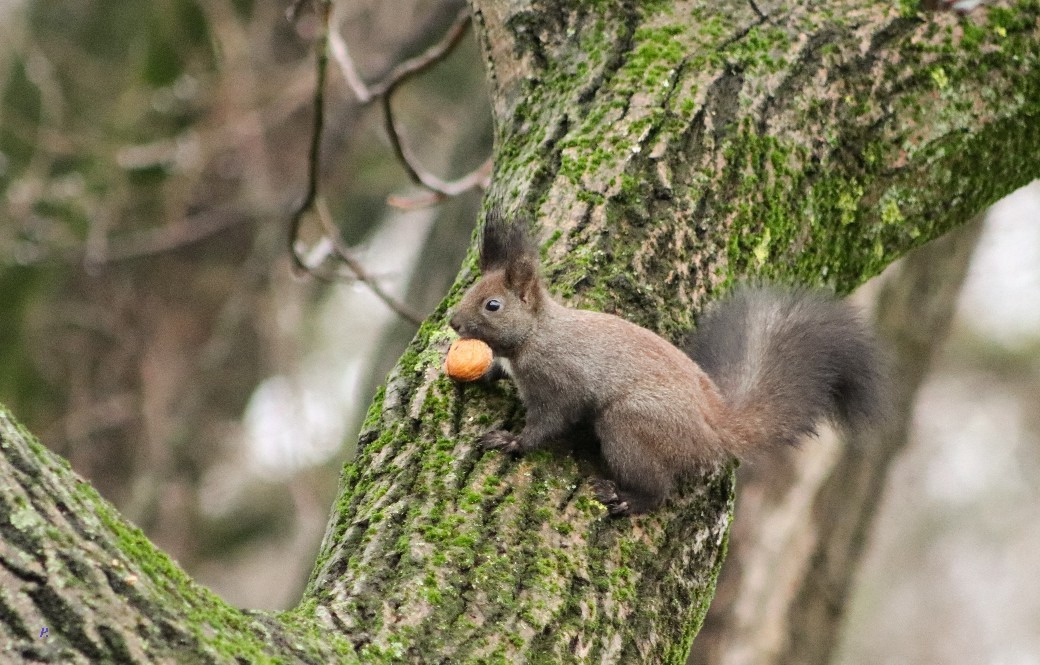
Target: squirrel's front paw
{"x":502,"y":440}
{"x":606,"y":492}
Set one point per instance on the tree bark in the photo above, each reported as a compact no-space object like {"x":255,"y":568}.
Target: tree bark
{"x":666,"y":149}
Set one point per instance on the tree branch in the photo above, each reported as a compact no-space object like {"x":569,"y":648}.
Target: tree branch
{"x":331,"y":41}
{"x":384,"y":90}
{"x":324,"y":8}
{"x":103,"y":249}
{"x":357,"y":269}
{"x":403,"y":70}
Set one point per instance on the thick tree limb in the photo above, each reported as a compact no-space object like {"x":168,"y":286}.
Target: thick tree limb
{"x":71,"y":565}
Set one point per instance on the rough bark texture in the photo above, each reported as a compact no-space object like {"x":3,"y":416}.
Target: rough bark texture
{"x":665,"y":149}
{"x":78,"y":584}
{"x":801,"y":523}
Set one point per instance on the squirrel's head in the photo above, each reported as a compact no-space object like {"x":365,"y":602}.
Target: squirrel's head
{"x":503,"y":307}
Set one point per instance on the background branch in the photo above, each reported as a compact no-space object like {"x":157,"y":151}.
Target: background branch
{"x":331,"y":41}
{"x":402,"y":71}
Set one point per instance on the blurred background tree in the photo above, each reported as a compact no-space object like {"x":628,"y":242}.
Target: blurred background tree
{"x":151,"y":331}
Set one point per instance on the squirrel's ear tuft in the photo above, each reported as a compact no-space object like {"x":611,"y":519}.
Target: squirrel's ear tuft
{"x":504,"y":243}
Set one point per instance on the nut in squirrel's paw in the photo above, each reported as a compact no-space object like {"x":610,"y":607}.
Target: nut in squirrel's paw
{"x":468,"y":359}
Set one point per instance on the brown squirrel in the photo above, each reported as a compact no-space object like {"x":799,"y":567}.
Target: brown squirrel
{"x":764,"y":367}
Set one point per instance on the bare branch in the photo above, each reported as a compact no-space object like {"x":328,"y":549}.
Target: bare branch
{"x":416,"y":201}
{"x":405,"y":69}
{"x":167,"y":238}
{"x":318,"y":127}
{"x":384,"y":91}
{"x":330,"y":41}
{"x":357,"y":269}
{"x":477,"y":178}
{"x":341,"y":54}
{"x":101,"y":249}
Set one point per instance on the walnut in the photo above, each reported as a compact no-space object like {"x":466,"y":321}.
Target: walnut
{"x":468,"y":359}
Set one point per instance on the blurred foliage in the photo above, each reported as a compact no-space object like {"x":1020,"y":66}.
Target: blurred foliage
{"x":150,"y":155}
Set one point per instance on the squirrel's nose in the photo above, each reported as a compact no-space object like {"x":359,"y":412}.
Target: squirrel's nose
{"x":455,"y":323}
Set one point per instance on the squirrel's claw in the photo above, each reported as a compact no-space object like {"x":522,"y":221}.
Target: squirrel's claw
{"x":607,"y":494}
{"x":507,"y":442}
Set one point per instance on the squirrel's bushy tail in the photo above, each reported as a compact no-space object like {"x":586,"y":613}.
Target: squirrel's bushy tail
{"x":786,"y":359}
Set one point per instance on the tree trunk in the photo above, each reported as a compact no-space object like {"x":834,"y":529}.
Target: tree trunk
{"x":665,"y":149}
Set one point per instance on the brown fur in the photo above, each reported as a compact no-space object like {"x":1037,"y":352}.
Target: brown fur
{"x":777,"y":362}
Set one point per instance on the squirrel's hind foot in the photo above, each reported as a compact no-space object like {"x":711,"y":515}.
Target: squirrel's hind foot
{"x":606,"y":492}
{"x":621,"y":500}
{"x":502,"y":440}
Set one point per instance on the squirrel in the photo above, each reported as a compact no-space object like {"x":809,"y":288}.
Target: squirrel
{"x":763,"y":368}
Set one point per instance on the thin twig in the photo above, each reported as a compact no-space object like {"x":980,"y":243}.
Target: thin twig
{"x":357,"y":268}
{"x":385,"y":89}
{"x":147,"y":242}
{"x":318,"y":126}
{"x":170,"y":237}
{"x":479,"y":177}
{"x":330,"y":41}
{"x":341,"y":54}
{"x":403,"y":70}
{"x":416,"y":201}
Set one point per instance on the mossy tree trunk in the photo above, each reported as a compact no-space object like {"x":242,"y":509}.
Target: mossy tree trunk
{"x":665,"y":149}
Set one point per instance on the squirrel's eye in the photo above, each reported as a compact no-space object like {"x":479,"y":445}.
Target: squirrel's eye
{"x":493,"y":305}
